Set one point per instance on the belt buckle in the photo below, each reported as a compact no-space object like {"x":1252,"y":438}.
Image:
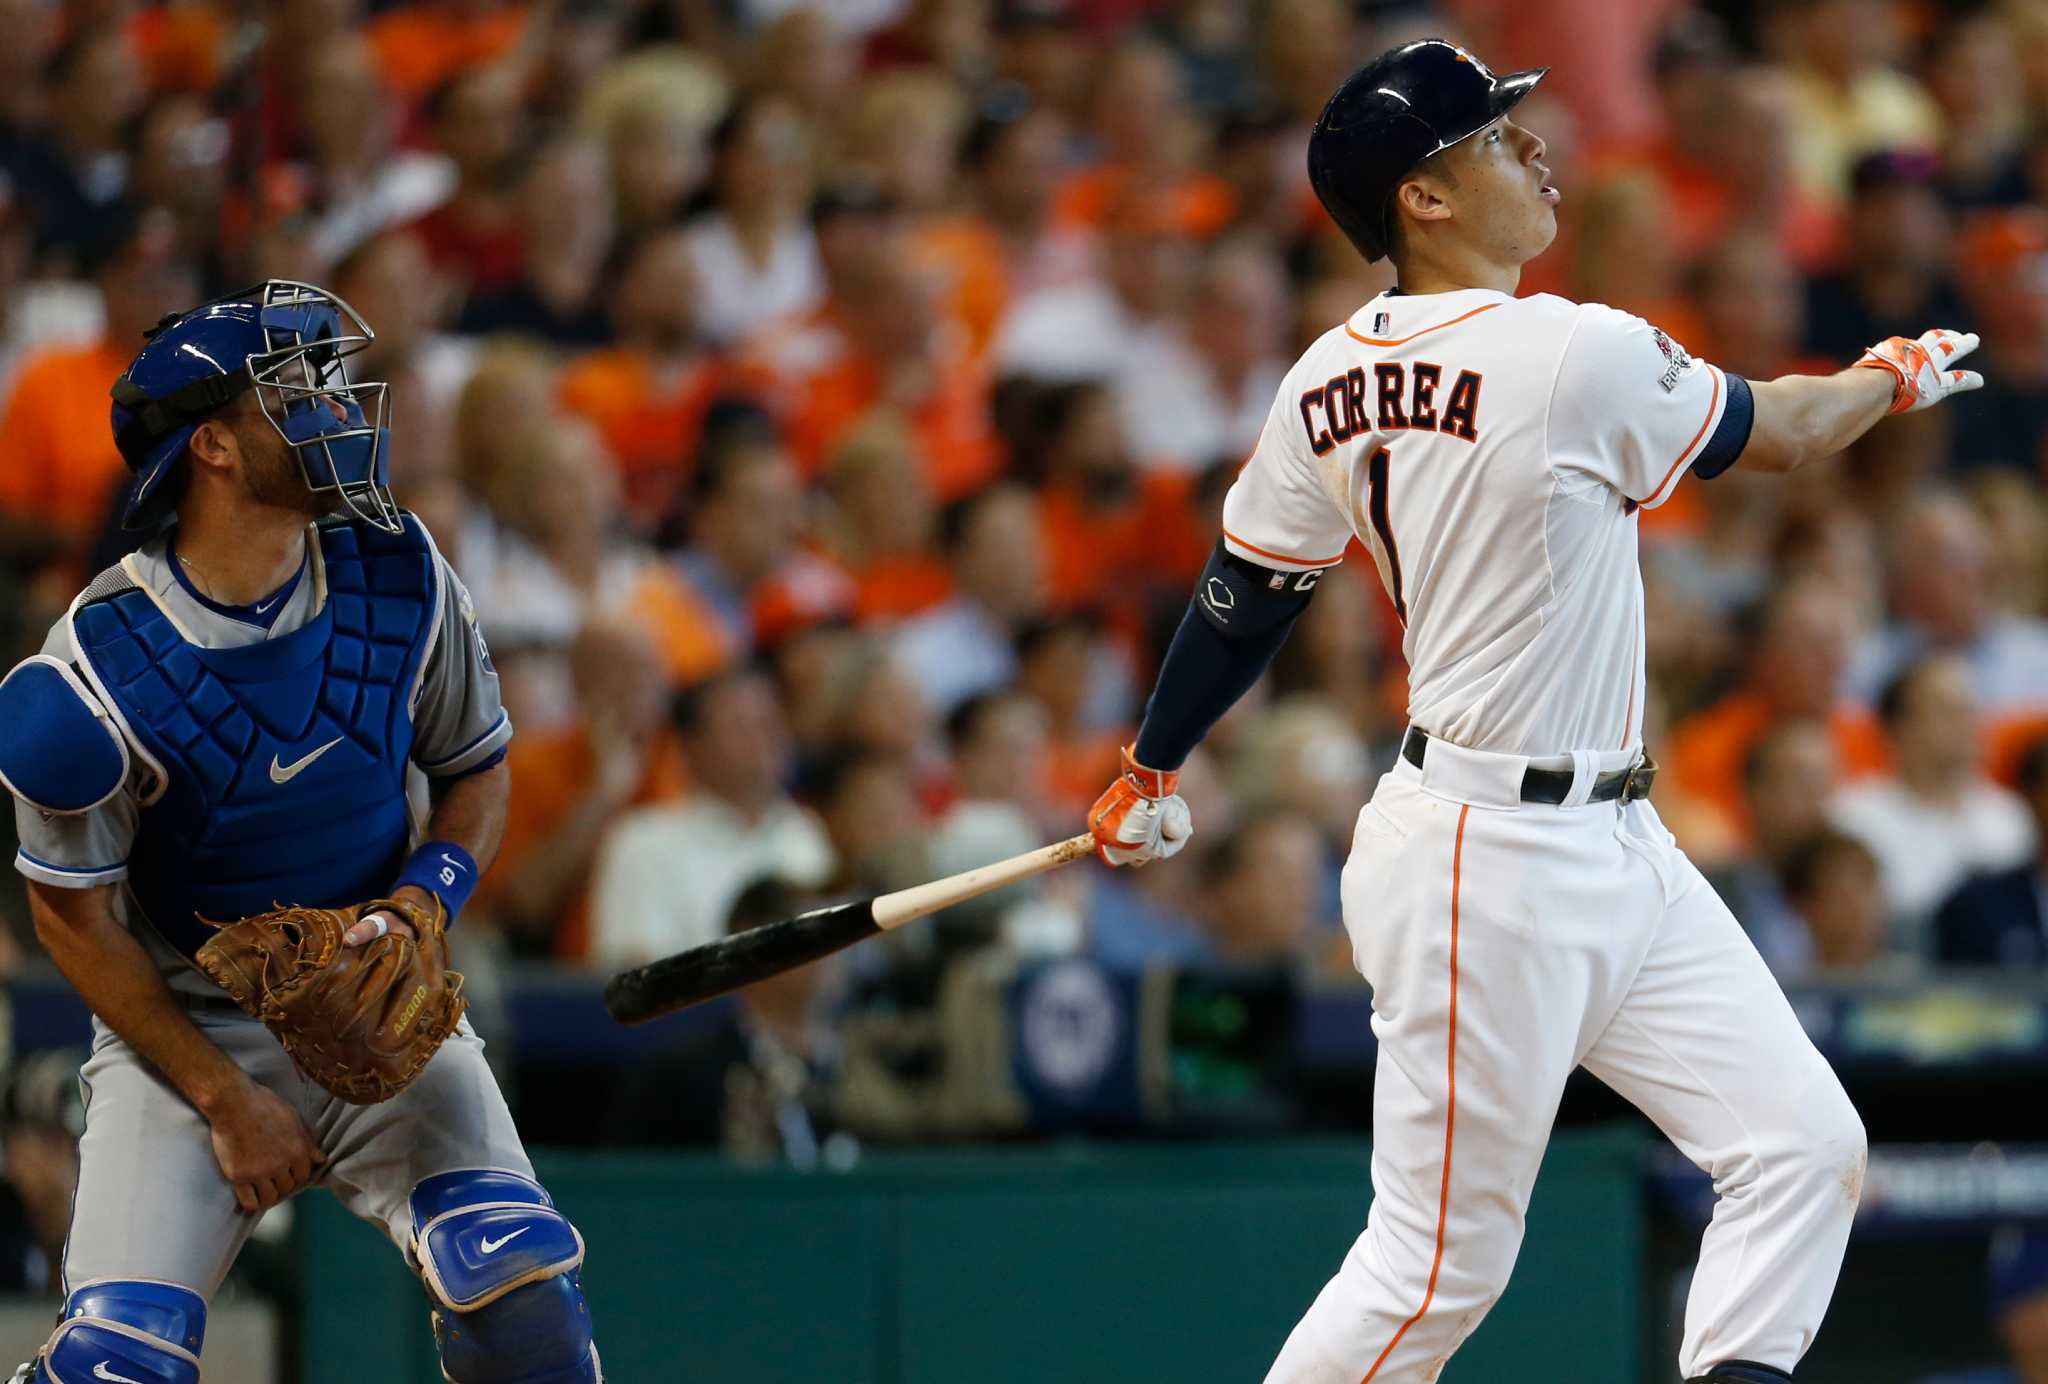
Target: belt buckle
{"x":1636,"y":782}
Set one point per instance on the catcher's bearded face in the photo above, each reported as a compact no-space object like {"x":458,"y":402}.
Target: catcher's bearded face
{"x":270,"y":472}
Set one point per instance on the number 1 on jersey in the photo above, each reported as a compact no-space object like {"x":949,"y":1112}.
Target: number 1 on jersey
{"x":1376,"y":505}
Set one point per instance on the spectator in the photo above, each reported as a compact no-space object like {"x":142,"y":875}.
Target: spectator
{"x":878,"y":341}
{"x":746,"y":510}
{"x":1264,"y":886}
{"x":1849,"y":99}
{"x":654,"y":141}
{"x":35,"y":313}
{"x":758,"y":1082}
{"x":1935,"y":819}
{"x":1150,"y":146}
{"x":867,"y":800}
{"x":575,"y":781}
{"x":181,"y":165}
{"x":565,"y":238}
{"x":2002,"y":259}
{"x":1068,"y":667}
{"x":62,"y":468}
{"x":756,"y":258}
{"x":1893,"y":279}
{"x":1114,"y":531}
{"x":1793,"y":668}
{"x":2001,"y":918}
{"x":478,"y":119}
{"x":1203,"y":395}
{"x":354,"y":180}
{"x":1626,"y":252}
{"x":967,"y":645}
{"x":882,"y":522}
{"x":667,"y":874}
{"x":1751,"y":313}
{"x":1001,"y":747}
{"x":1087,"y":329}
{"x":1788,"y":777}
{"x":1004,"y":245}
{"x":422,"y":45}
{"x":648,"y":394}
{"x":1945,"y":601}
{"x":74,"y":174}
{"x":1974,"y":74}
{"x":1831,"y":882}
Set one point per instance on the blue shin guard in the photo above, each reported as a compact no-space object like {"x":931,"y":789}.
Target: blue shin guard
{"x":140,"y":1333}
{"x":501,"y":1264}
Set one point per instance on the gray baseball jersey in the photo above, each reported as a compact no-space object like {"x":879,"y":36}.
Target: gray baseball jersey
{"x":458,"y":721}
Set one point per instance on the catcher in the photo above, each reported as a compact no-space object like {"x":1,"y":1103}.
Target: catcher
{"x":210,"y":760}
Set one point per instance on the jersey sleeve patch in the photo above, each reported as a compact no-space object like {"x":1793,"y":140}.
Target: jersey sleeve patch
{"x":59,"y":750}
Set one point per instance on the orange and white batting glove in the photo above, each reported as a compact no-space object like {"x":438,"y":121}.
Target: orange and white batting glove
{"x":1141,"y":817}
{"x":1922,"y":370}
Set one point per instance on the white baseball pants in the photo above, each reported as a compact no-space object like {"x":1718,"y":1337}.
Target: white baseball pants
{"x":1506,"y":945}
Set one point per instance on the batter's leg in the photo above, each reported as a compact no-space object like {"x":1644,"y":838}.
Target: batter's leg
{"x":1482,"y":979}
{"x":1706,"y":1045}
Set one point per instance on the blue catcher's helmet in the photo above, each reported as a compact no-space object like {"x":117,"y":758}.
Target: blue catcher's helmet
{"x":290,"y":343}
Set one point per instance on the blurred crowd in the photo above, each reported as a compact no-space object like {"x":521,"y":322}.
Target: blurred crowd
{"x":829,"y":409}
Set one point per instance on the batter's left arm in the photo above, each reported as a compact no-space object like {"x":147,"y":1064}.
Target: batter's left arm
{"x":1802,"y":418}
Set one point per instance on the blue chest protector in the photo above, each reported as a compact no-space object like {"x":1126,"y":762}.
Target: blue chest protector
{"x":283,"y":761}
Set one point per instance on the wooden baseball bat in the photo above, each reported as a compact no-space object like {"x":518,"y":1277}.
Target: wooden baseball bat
{"x":715,"y":968}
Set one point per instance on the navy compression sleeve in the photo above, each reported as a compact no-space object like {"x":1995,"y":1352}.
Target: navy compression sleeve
{"x":1237,"y":621}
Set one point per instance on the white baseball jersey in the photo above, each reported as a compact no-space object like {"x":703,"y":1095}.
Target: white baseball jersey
{"x":1491,"y":453}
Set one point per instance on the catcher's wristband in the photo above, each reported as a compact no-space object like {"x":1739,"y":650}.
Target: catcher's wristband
{"x":444,"y":870}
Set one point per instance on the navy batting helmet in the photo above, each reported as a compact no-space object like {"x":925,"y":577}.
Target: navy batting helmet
{"x":1390,"y":115}
{"x":290,"y":342}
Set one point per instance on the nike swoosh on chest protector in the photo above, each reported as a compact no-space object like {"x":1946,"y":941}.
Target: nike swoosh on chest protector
{"x":285,"y":773}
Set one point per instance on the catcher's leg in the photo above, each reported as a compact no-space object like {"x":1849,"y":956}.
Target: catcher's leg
{"x":440,"y":1167}
{"x":149,"y":1333}
{"x":501,"y":1264}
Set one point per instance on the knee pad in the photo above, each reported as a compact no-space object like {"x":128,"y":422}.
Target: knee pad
{"x":501,"y":1265}
{"x":141,"y":1333}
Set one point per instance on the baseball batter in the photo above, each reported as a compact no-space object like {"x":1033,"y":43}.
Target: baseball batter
{"x":224,"y":720}
{"x":1512,"y":897}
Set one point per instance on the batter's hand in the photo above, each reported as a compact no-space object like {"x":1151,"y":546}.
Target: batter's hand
{"x":264,"y":1149}
{"x":1141,"y":817}
{"x":1923,"y":371}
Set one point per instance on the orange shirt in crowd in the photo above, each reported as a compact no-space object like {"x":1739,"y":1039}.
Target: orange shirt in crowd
{"x":551,"y":770}
{"x":650,"y":424}
{"x":968,"y":255}
{"x":1078,"y":765}
{"x":2007,"y":740}
{"x":421,"y":46}
{"x":1708,"y":749}
{"x":1198,"y":204}
{"x":812,"y":368}
{"x":688,"y":635}
{"x":61,"y":463}
{"x":896,"y":588}
{"x":181,"y":46}
{"x":1151,"y":537}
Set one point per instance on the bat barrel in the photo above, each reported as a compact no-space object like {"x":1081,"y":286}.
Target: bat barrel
{"x":717,"y":968}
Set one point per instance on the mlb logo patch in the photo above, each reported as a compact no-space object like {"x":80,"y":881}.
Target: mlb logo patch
{"x":1382,"y":323}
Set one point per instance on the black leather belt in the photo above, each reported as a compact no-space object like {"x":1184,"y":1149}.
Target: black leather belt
{"x":1553,"y":786}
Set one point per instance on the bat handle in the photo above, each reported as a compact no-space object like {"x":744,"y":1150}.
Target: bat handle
{"x":894,"y":910}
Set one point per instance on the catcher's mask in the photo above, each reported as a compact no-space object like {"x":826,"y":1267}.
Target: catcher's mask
{"x":288,"y":341}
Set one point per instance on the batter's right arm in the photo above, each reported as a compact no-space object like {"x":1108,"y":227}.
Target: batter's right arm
{"x":263,"y":1148}
{"x":1802,"y":418}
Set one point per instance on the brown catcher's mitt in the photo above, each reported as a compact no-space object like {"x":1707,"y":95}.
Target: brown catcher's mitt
{"x":361,"y":1021}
